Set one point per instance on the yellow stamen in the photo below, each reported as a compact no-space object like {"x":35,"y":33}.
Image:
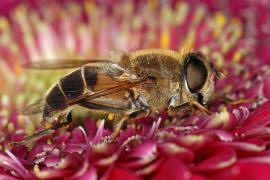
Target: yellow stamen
{"x":165,"y":39}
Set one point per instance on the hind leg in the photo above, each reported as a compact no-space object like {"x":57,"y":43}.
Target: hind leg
{"x":45,"y":131}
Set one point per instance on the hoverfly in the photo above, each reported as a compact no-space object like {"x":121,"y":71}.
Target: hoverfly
{"x":130,"y":85}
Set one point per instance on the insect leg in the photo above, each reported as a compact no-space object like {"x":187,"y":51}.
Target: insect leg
{"x":178,"y":109}
{"x":199,"y":106}
{"x":132,"y":115}
{"x":230,"y":101}
{"x":45,"y":131}
{"x":187,"y":106}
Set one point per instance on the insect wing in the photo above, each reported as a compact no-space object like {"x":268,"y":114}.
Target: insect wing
{"x":61,"y":63}
{"x":34,"y":108}
{"x":117,"y":88}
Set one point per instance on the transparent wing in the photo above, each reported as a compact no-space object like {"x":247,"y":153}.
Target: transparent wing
{"x":34,"y":108}
{"x":121,"y":86}
{"x":106,"y":87}
{"x":61,"y":63}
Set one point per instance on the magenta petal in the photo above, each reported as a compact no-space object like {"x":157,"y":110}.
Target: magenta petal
{"x":82,"y":171}
{"x":260,"y":117}
{"x":73,"y":147}
{"x":172,"y":169}
{"x":245,"y":171}
{"x":254,"y":145}
{"x":7,"y":177}
{"x":145,"y":151}
{"x":154,"y":128}
{"x":125,"y":136}
{"x":107,"y":160}
{"x":151,"y":168}
{"x":9,"y":164}
{"x":194,"y":142}
{"x":222,"y":121}
{"x":121,"y":173}
{"x":221,"y":158}
{"x":52,"y":173}
{"x":91,"y":174}
{"x":52,"y":161}
{"x":169,"y":149}
{"x":141,"y":155}
{"x":197,"y":177}
{"x":99,"y":132}
{"x":72,"y":161}
{"x":259,"y":132}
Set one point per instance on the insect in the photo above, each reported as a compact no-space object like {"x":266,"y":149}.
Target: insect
{"x":130,"y":85}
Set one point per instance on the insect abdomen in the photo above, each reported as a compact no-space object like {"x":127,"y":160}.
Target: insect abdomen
{"x":55,"y":99}
{"x":71,"y":87}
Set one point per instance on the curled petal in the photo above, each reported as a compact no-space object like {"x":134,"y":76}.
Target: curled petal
{"x":194,"y":142}
{"x":261,"y":117}
{"x":151,"y":168}
{"x":221,"y":158}
{"x":255,"y":145}
{"x":154,"y":128}
{"x":99,"y":132}
{"x":142,"y":155}
{"x":145,"y":151}
{"x":9,"y":164}
{"x":222,"y":121}
{"x":170,"y":149}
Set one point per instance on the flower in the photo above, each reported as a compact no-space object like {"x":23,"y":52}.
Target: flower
{"x":233,"y":143}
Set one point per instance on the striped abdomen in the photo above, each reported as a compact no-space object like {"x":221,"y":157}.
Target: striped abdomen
{"x":71,"y":87}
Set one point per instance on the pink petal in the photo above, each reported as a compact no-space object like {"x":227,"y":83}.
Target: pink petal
{"x":172,"y":169}
{"x":197,"y":177}
{"x":7,"y":177}
{"x":245,"y":171}
{"x":258,"y":132}
{"x":169,"y":149}
{"x":142,"y":155}
{"x":221,"y":158}
{"x":52,"y":173}
{"x":252,"y":145}
{"x":91,"y":174}
{"x":144,"y":151}
{"x":121,"y":173}
{"x":99,"y":132}
{"x":194,"y":142}
{"x":149,"y":169}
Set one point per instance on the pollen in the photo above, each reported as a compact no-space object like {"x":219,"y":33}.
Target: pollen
{"x":11,"y":127}
{"x":110,"y":116}
{"x":220,"y":19}
{"x":4,"y":24}
{"x":36,"y":169}
{"x":237,"y":56}
{"x":49,"y":141}
{"x":165,"y":39}
{"x":228,"y":88}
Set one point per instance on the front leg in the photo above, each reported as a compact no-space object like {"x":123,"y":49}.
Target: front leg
{"x":187,"y":106}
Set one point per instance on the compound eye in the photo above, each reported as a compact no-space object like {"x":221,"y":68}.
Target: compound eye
{"x":195,"y":73}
